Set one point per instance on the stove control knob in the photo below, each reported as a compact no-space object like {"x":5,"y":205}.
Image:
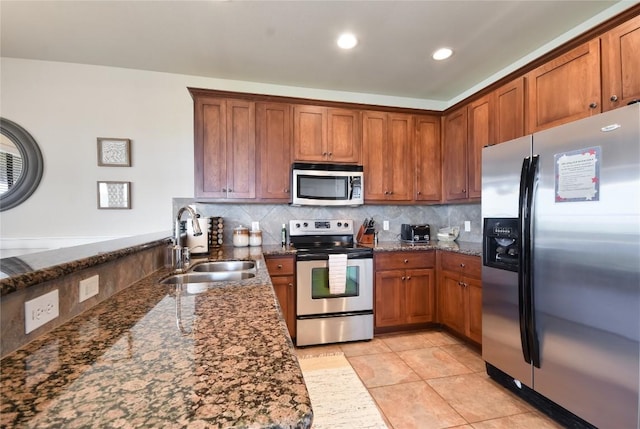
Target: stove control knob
{"x":339,"y":224}
{"x":297,"y":225}
{"x":305,"y":224}
{"x":346,"y":225}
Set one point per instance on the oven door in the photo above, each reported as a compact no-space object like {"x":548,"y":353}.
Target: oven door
{"x":314,"y":298}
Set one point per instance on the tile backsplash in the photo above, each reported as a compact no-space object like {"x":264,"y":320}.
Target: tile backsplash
{"x":272,"y":216}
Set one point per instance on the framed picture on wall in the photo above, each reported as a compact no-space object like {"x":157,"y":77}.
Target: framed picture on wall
{"x":114,"y":152}
{"x":114,"y":195}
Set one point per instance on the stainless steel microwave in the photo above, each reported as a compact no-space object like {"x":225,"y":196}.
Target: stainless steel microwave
{"x":326,"y":184}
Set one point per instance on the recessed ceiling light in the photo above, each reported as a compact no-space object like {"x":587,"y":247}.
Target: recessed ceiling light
{"x":442,"y":54}
{"x":347,"y":41}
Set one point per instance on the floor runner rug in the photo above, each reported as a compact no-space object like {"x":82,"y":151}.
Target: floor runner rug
{"x":338,"y":397}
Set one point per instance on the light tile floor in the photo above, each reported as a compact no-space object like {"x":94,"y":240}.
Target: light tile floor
{"x":430,"y":379}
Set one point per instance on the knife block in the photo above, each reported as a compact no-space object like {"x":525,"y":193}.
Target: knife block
{"x":365,"y":236}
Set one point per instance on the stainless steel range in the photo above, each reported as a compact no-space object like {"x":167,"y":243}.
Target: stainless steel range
{"x":334,"y":283}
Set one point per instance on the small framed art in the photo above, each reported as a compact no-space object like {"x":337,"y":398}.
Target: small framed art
{"x":114,"y":152}
{"x":114,"y":195}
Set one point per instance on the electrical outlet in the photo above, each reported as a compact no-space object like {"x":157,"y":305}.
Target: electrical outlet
{"x":88,"y":288}
{"x":41,"y":310}
{"x":385,"y":225}
{"x":467,"y":226}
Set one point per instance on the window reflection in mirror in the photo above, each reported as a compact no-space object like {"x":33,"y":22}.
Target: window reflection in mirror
{"x":21,"y":164}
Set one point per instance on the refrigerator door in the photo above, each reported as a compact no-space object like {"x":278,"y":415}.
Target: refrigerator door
{"x":501,"y":336}
{"x":585,"y":265}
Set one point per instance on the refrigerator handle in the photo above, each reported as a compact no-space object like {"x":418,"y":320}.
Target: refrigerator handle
{"x":534,"y":349}
{"x":523,"y":311}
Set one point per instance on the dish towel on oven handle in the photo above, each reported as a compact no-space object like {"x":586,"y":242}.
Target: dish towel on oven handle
{"x":337,"y":274}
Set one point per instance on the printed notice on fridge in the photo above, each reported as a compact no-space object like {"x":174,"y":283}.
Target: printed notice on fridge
{"x":577,"y":175}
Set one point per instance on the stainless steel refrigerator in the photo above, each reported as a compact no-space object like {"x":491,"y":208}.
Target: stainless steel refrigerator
{"x":561,"y":268}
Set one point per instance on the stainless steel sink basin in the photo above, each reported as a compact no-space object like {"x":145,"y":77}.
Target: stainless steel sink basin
{"x":224,"y":266}
{"x":209,"y":277}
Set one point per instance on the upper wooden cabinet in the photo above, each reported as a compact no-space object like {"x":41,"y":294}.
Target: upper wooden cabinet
{"x":324,"y":134}
{"x":621,"y":65}
{"x":224,"y":148}
{"x":508,"y":118}
{"x":273,"y":140}
{"x":455,"y":156}
{"x":428,"y":181}
{"x":481,"y":115}
{"x":564,"y":89}
{"x":388,"y":163}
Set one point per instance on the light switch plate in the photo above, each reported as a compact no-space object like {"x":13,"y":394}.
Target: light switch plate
{"x":41,"y":310}
{"x":467,"y":225}
{"x":385,"y":225}
{"x":89,"y":287}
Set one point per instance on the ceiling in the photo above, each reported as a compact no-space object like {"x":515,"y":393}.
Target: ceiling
{"x":292,"y":43}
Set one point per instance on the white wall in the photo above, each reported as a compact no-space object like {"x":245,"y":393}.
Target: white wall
{"x":66,"y":107}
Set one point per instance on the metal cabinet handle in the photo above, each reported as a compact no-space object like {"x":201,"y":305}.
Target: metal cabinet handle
{"x":403,"y":277}
{"x":290,"y":285}
{"x":593,"y":105}
{"x":462,"y":265}
{"x":406,"y":261}
{"x":279,"y":266}
{"x":464,"y":191}
{"x":614,"y":98}
{"x":224,"y":189}
{"x":408,"y":277}
{"x":418,"y":193}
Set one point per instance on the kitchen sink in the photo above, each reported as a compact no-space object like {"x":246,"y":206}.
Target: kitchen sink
{"x":224,"y":266}
{"x":207,"y":277}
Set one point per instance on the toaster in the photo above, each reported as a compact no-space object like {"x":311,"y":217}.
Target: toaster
{"x":415,"y":233}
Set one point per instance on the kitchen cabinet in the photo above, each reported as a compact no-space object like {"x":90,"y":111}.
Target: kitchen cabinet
{"x":480,"y":133}
{"x":460,"y":294}
{"x":404,"y":289}
{"x":620,"y":65}
{"x":508,"y":116}
{"x":323,"y":134}
{"x":564,"y":89}
{"x":455,"y":170}
{"x":274,"y":151}
{"x":281,"y":270}
{"x":428,"y":183}
{"x":224,"y":148}
{"x":387,"y":160}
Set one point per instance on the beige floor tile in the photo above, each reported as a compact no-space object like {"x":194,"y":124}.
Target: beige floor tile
{"x":519,"y":421}
{"x":408,"y":341}
{"x":466,"y":356}
{"x":441,"y":338}
{"x":361,"y":348}
{"x":415,"y":405}
{"x":382,"y":369}
{"x":476,"y":398}
{"x":433,"y":362}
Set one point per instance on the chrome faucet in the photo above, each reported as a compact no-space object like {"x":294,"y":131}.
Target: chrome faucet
{"x":194,"y":222}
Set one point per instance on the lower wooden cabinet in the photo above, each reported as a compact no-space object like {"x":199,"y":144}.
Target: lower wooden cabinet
{"x":460,"y":294}
{"x":404,"y":288}
{"x":282,"y":272}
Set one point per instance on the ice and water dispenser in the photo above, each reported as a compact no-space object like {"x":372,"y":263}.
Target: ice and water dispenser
{"x":501,"y":243}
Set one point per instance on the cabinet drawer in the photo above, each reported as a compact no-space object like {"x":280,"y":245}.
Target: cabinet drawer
{"x":464,"y":264}
{"x":404,"y":260}
{"x":280,"y":266}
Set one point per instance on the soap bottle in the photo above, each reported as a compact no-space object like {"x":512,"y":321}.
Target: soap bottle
{"x":283,"y":235}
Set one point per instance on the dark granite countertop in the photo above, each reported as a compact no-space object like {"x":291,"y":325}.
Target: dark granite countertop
{"x":157,"y":356}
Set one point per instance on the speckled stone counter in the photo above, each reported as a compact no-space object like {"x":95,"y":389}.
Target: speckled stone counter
{"x":158,"y":356}
{"x":467,"y":248}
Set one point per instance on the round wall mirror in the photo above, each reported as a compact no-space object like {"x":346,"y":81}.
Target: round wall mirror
{"x":21,"y":164}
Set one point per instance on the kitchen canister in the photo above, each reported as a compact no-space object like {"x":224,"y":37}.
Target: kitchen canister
{"x":241,"y":236}
{"x":255,"y":238}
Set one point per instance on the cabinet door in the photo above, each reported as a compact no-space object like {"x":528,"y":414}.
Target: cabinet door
{"x":454,"y":156}
{"x":310,"y":133}
{"x":509,"y":111}
{"x":452,"y":303}
{"x":389,"y":305}
{"x":620,"y":65}
{"x":241,"y":149}
{"x":480,"y":134}
{"x":474,"y":310}
{"x":273,"y":132}
{"x":565,"y":89}
{"x":419,"y":296}
{"x":374,"y":133}
{"x":283,"y":287}
{"x":210,"y":147}
{"x":428,"y":185}
{"x":399,"y":149}
{"x":343,"y":144}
